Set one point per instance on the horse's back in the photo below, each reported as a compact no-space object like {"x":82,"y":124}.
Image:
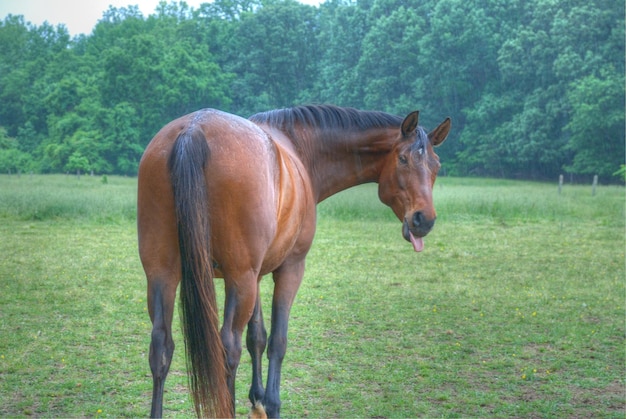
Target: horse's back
{"x":230,"y":138}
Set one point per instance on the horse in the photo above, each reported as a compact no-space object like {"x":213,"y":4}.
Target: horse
{"x":220,"y":196}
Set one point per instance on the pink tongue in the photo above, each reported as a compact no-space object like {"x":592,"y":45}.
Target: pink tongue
{"x":417,"y":242}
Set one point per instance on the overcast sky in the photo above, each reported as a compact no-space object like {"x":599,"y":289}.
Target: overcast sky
{"x":79,"y":16}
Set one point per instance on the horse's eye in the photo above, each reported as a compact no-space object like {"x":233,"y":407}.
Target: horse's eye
{"x":402,"y":159}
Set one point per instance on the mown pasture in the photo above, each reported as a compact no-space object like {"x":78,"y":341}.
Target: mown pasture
{"x":516,"y":307}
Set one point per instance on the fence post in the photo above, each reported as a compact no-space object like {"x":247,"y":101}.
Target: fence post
{"x":560,"y":183}
{"x":594,"y":185}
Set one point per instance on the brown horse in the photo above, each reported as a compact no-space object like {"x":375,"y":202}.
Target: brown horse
{"x":225,"y":197}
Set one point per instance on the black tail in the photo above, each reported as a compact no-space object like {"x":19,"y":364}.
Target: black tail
{"x":200,"y":322}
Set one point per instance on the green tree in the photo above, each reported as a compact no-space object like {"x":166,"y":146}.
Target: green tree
{"x":158,"y":72}
{"x":521,"y":119}
{"x":12,"y":160}
{"x":533,"y":86}
{"x":274,"y":56}
{"x":343,"y":26}
{"x":389,"y":66}
{"x":26,"y":52}
{"x":596,"y":128}
{"x":121,"y":138}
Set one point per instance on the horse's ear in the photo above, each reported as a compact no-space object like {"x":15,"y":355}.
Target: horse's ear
{"x":439,"y":134}
{"x":410,"y":123}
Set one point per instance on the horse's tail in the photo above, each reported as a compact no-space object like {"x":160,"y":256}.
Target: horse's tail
{"x":206,"y":363}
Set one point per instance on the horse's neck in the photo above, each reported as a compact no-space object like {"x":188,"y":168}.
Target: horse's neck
{"x":347,"y":160}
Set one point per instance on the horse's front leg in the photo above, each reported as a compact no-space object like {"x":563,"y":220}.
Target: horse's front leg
{"x":287,"y":280}
{"x":256,"y":342}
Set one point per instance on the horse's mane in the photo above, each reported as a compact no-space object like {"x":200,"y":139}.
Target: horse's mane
{"x":323,"y":117}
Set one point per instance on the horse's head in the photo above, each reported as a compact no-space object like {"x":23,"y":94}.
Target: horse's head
{"x":407,"y":178}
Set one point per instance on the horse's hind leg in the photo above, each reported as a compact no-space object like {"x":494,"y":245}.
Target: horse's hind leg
{"x":256,"y":341}
{"x":238,"y":309}
{"x":161,"y":296}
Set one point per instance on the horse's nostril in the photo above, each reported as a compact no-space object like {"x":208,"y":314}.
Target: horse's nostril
{"x":421,"y":222}
{"x":418,"y":219}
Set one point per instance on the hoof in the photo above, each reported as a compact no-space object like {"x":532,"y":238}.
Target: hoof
{"x":257,"y":412}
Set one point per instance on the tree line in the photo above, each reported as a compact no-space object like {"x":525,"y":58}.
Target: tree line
{"x":535,"y":88}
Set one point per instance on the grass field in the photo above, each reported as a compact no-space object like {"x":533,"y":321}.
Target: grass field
{"x":516,"y":308}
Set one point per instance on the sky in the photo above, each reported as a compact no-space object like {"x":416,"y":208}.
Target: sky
{"x":80,"y":16}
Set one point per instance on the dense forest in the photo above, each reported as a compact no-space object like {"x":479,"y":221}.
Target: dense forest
{"x":535,"y":88}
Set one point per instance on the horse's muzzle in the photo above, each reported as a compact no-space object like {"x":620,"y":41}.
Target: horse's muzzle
{"x":417,"y":225}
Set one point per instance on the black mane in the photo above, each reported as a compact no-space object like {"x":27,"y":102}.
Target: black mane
{"x":326,"y":117}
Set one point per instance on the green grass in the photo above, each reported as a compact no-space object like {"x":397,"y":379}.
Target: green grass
{"x":516,"y":308}
{"x":54,"y":197}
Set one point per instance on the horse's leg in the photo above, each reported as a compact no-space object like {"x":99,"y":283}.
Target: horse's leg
{"x":256,"y":341}
{"x":238,"y":309}
{"x":161,"y":296}
{"x":287,"y":280}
